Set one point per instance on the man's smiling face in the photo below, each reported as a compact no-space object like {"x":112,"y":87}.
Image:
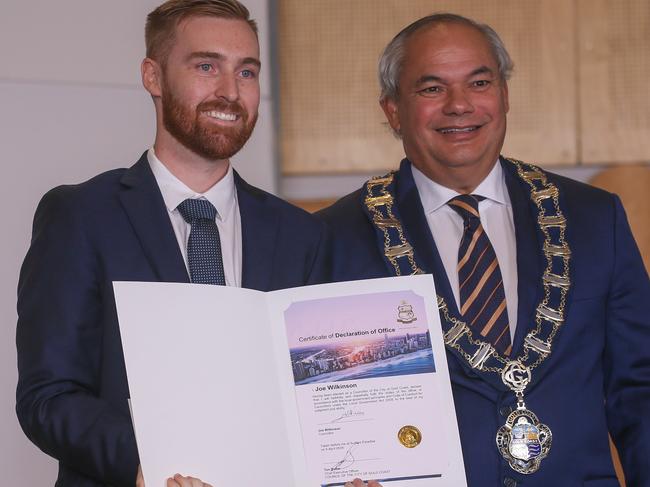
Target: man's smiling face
{"x":210,"y":86}
{"x":451,"y":106}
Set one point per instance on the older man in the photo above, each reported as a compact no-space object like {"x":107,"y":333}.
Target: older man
{"x":544,"y":300}
{"x":180,"y":214}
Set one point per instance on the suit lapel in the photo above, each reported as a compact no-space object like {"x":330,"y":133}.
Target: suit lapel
{"x":529,"y":264}
{"x":529,"y":269}
{"x":419,"y":235}
{"x":144,"y":205}
{"x":259,"y":233}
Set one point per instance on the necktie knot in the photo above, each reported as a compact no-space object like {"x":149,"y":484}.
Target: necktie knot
{"x":193,"y":210}
{"x":466,"y":205}
{"x":204,"y":258}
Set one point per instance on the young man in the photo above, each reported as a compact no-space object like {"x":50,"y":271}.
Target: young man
{"x":180,"y":214}
{"x":545,"y":303}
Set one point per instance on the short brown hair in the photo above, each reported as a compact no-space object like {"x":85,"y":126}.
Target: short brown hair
{"x":162,"y":22}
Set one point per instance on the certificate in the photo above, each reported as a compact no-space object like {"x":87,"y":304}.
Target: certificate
{"x":309,"y":386}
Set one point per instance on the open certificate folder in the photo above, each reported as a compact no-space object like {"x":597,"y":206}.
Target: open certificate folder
{"x":310,"y":386}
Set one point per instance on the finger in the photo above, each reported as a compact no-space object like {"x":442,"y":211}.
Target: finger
{"x":188,"y":481}
{"x":194,"y":482}
{"x":182,"y":481}
{"x":172,"y":483}
{"x":139,"y":480}
{"x":355,"y":483}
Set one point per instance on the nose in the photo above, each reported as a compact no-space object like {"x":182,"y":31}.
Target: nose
{"x":458,"y":102}
{"x":227,"y":87}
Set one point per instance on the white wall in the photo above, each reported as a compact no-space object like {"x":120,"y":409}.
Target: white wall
{"x":71,"y":106}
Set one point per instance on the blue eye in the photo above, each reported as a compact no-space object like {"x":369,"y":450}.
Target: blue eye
{"x":205,"y":67}
{"x":247,"y":73}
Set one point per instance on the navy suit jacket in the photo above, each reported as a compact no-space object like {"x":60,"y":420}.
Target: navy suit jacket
{"x":598,"y":376}
{"x":72,"y":389}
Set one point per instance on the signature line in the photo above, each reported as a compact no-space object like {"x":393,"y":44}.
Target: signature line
{"x":340,"y":421}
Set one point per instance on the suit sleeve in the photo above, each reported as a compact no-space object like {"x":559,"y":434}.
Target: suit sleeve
{"x":627,"y":355}
{"x":59,"y":344}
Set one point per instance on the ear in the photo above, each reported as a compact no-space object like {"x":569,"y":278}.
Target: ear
{"x":151,"y":77}
{"x":389,"y":106}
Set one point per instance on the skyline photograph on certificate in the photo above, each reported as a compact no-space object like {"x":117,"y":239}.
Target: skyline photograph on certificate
{"x":358,"y":337}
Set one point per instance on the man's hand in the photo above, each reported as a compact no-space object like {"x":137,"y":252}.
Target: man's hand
{"x":139,"y":480}
{"x":179,"y":481}
{"x":360,"y":483}
{"x":176,"y":481}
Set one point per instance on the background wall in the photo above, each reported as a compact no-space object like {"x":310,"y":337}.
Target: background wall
{"x":72,"y":106}
{"x":577,"y":63}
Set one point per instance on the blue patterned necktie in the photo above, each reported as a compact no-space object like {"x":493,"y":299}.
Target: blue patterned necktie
{"x":203,"y":246}
{"x":482,"y":295}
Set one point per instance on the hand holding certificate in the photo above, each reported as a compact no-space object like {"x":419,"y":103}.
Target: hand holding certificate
{"x":360,"y":483}
{"x":307,"y":386}
{"x":176,"y":481}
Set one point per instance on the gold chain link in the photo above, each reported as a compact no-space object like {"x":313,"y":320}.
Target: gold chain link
{"x":529,"y":174}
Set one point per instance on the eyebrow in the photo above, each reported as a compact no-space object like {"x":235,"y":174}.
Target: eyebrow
{"x":428,"y":78}
{"x":481,"y":70}
{"x":220,"y":57}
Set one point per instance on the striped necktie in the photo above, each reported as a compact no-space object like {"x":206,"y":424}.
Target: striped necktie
{"x":482,"y":295}
{"x":203,"y":245}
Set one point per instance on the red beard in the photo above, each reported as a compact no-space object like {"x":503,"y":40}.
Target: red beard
{"x":206,"y":140}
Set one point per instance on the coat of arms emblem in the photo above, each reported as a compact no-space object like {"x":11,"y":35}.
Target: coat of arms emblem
{"x":524,"y":441}
{"x":405,"y":313}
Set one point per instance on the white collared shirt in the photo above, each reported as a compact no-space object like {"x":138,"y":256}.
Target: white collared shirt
{"x":496,"y":217}
{"x":223,"y":196}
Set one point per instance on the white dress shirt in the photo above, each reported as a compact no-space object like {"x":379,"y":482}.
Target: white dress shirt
{"x":496,"y":217}
{"x":223,"y":196}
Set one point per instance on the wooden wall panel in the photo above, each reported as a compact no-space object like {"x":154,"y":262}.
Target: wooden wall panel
{"x":328,"y":53}
{"x":614,"y":73}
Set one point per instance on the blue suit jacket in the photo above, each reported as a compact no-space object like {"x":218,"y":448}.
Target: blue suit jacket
{"x":72,"y":389}
{"x":598,"y":376}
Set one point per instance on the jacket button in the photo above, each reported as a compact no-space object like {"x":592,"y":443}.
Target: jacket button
{"x":505,"y":411}
{"x":509,"y":482}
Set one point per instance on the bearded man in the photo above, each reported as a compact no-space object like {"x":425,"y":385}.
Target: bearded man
{"x":180,"y":214}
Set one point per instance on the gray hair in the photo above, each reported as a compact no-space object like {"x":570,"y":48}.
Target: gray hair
{"x":392,"y":58}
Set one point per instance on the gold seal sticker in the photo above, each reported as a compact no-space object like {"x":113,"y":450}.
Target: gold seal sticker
{"x":409,"y":436}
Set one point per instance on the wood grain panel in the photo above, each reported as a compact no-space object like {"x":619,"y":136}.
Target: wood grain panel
{"x":328,"y":53}
{"x":312,"y":206}
{"x":614,"y":89}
